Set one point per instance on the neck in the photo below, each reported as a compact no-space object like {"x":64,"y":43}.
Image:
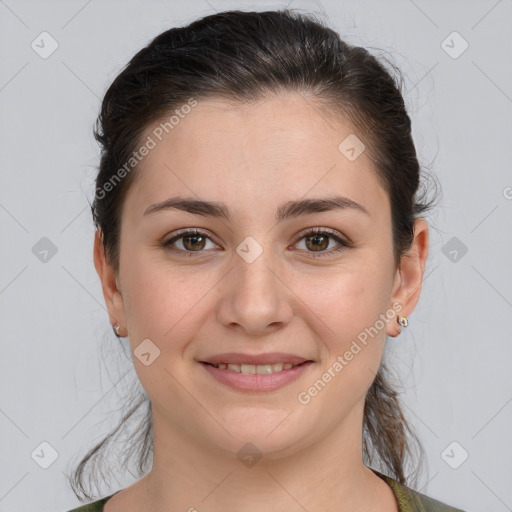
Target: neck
{"x":328,"y":475}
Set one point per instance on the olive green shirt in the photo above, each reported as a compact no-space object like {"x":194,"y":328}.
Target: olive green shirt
{"x":408,"y":500}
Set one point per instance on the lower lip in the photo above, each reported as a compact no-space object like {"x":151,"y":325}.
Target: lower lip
{"x":257,"y":382}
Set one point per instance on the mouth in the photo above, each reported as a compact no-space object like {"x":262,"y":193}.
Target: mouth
{"x":256,"y":369}
{"x":257,"y":372}
{"x":256,"y":378}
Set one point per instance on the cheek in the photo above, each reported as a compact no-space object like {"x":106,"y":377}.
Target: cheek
{"x":164,"y":305}
{"x":162,"y":300}
{"x":346,"y":301}
{"x":349,"y":307}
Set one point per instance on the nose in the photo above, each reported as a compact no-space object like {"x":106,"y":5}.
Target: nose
{"x":255,"y":297}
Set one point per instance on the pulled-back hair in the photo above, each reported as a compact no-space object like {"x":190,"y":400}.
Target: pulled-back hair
{"x":243,"y":57}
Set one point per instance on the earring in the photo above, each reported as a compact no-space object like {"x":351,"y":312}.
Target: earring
{"x":116,"y":328}
{"x":402,"y":320}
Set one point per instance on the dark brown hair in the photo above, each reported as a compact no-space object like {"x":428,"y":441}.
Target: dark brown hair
{"x":246,"y":56}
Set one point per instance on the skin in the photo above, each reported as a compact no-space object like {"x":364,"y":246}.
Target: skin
{"x":254,"y":158}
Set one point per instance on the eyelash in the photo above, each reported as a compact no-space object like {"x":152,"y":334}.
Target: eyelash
{"x":314,"y":231}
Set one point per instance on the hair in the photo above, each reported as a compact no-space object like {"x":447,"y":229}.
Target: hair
{"x":245,"y":57}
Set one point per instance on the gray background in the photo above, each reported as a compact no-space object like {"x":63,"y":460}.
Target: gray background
{"x":60,"y":361}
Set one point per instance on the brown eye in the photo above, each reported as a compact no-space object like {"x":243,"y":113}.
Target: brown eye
{"x":318,"y":242}
{"x":194,"y":242}
{"x":189,"y":242}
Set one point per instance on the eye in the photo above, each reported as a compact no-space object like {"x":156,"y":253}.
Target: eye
{"x":318,"y":240}
{"x":192,"y":240}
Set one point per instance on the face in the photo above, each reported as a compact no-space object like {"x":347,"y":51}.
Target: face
{"x":256,"y":280}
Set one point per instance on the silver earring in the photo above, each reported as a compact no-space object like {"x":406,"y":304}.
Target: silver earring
{"x":116,"y":328}
{"x":402,"y":320}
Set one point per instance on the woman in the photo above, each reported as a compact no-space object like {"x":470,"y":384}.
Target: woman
{"x":258,"y":238}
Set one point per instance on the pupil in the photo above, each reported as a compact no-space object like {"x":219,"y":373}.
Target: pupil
{"x":195,"y":238}
{"x":318,"y":244}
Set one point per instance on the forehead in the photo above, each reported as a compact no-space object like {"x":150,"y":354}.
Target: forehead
{"x":252,"y":156}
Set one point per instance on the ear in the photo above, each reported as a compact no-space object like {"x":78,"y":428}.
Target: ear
{"x":107,"y":275}
{"x":409,"y":275}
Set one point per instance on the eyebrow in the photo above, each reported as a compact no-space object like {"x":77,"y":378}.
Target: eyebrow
{"x":289,"y":210}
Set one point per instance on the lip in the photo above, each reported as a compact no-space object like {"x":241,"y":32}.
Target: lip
{"x":268,"y":358}
{"x":257,"y":382}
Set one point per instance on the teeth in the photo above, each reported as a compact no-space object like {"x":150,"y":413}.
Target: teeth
{"x":252,"y":369}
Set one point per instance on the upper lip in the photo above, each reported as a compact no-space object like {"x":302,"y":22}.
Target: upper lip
{"x":256,"y":359}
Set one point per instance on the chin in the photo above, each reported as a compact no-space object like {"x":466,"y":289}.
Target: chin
{"x":266,"y":430}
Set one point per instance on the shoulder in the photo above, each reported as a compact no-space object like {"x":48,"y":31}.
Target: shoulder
{"x":96,"y":506}
{"x":410,"y":500}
